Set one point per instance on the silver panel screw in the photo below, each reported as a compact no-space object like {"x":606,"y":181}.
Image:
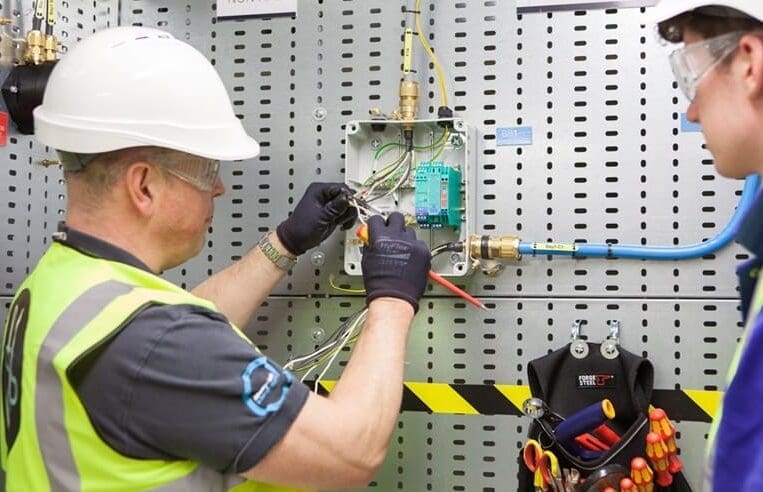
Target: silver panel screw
{"x":318,"y":258}
{"x":319,"y":114}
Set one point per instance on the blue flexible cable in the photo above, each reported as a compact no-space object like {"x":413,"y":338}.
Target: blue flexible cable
{"x":639,"y":252}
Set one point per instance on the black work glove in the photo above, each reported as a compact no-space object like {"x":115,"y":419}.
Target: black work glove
{"x":394,"y":263}
{"x":323,"y":207}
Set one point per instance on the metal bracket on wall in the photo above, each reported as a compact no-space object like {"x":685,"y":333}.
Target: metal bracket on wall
{"x":578,"y":346}
{"x":609,"y":347}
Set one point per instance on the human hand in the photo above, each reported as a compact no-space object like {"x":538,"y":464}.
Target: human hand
{"x":321,"y":209}
{"x":395,"y":263}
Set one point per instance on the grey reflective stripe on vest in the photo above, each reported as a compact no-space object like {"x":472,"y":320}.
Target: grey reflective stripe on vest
{"x":49,"y":409}
{"x":49,"y":398}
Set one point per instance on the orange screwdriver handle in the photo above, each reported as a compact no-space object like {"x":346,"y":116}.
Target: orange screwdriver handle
{"x":362,"y":233}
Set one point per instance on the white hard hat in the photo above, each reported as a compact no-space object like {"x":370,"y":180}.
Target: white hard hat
{"x":135,"y":86}
{"x":668,"y":9}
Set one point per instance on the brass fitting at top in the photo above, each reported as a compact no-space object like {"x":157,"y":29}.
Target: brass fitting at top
{"x":494,"y":248}
{"x":49,"y":162}
{"x":51,"y":47}
{"x":35,"y":47}
{"x":5,"y":21}
{"x":409,"y":100}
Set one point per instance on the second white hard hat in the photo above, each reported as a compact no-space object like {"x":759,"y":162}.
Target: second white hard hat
{"x":668,"y":9}
{"x":135,"y":86}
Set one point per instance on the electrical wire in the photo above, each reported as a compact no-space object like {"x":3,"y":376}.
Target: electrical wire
{"x":347,"y":334}
{"x":405,"y":162}
{"x":399,"y":170}
{"x":50,"y":17}
{"x":439,"y":142}
{"x":328,"y":365}
{"x":401,"y":181}
{"x":316,"y":357}
{"x":39,"y":14}
{"x":457,"y":247}
{"x":440,"y":150}
{"x":385,"y":171}
{"x":342,"y":289}
{"x":432,"y":56}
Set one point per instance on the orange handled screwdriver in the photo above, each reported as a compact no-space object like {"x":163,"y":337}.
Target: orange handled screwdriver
{"x":660,"y":424}
{"x":362,"y":233}
{"x":627,"y":485}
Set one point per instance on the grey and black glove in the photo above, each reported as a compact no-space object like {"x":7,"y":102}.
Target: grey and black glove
{"x":394,"y":263}
{"x":322,"y":208}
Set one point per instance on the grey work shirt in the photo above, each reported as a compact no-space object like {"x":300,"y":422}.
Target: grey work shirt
{"x":172,"y":384}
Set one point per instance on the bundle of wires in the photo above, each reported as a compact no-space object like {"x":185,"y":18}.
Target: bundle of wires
{"x":380,"y":184}
{"x":394,"y":175}
{"x":347,"y":333}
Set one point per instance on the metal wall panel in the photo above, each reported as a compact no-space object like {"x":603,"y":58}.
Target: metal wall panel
{"x":609,"y":161}
{"x":454,"y":343}
{"x":34,"y":196}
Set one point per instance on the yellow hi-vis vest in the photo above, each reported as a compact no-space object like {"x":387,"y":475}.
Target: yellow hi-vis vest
{"x":67,"y":307}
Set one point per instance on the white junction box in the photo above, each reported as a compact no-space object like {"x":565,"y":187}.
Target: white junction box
{"x":437,"y":196}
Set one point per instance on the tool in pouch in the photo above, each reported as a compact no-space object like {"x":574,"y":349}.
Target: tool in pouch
{"x":604,"y":392}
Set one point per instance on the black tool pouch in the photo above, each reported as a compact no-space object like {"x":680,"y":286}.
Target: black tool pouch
{"x":568,"y":384}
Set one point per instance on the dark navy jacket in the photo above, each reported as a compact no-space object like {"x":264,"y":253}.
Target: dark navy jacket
{"x":738,"y":454}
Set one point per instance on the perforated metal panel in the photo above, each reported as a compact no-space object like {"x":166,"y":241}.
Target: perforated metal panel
{"x":34,"y":196}
{"x":608,"y":162}
{"x":454,"y":343}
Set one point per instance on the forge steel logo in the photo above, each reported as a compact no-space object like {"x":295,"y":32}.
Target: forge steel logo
{"x":595,"y":381}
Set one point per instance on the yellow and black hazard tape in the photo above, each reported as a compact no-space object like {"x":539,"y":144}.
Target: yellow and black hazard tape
{"x":504,"y":399}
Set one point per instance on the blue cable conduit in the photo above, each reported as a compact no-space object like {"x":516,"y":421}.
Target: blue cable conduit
{"x":645,"y":252}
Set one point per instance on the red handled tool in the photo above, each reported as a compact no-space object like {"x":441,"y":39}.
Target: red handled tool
{"x":607,"y":435}
{"x":591,"y":443}
{"x":584,"y":420}
{"x":362,"y":233}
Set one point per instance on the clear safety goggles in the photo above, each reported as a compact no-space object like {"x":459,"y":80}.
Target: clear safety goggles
{"x":692,"y":62}
{"x":198,"y":171}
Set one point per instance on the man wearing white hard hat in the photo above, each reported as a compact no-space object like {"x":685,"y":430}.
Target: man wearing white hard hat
{"x":720,"y":70}
{"x":114,"y":379}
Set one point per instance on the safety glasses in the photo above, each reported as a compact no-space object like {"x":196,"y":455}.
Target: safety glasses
{"x":198,"y":171}
{"x":691,"y":63}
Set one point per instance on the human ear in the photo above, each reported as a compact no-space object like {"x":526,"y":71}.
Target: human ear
{"x":143,"y":183}
{"x":751,"y":65}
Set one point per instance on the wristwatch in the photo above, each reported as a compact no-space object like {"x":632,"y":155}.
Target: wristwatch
{"x":282,"y":261}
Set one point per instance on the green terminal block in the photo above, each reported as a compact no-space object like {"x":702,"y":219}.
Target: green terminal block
{"x":438,"y":195}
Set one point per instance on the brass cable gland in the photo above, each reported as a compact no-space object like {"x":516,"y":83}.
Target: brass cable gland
{"x":51,"y":48}
{"x":494,"y":248}
{"x":35,"y":48}
{"x":409,"y":98}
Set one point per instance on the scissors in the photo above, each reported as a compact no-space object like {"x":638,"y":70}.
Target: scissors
{"x":544,"y":465}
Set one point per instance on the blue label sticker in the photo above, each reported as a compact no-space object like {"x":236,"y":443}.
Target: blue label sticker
{"x":689,"y":127}
{"x":506,"y":136}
